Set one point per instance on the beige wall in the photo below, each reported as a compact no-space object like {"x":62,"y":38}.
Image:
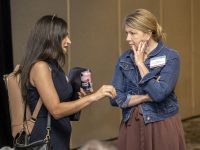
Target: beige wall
{"x":182,"y":27}
{"x":195,"y":55}
{"x":97,"y":41}
{"x":24,"y":14}
{"x":94,"y":35}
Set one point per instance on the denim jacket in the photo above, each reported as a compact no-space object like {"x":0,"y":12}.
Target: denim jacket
{"x":159,"y":84}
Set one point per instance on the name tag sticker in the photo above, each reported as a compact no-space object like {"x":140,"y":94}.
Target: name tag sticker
{"x":157,"y":61}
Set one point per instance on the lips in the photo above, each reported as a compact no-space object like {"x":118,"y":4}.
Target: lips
{"x":130,"y":44}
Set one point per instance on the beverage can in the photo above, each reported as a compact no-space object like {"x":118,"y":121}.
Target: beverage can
{"x":86,"y":80}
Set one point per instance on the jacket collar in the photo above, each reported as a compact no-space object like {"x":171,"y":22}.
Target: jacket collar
{"x":157,"y":49}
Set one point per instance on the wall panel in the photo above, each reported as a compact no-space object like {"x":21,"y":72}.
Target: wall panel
{"x":94,"y":35}
{"x":25,"y":14}
{"x":196,"y":54}
{"x":177,"y":24}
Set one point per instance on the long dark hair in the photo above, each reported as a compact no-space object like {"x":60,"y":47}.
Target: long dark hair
{"x":44,"y":43}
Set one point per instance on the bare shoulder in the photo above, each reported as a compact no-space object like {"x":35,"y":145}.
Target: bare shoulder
{"x":39,"y":72}
{"x":40,"y":65}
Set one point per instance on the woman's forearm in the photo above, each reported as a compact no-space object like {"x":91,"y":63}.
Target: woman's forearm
{"x":138,"y":99}
{"x":142,"y":69}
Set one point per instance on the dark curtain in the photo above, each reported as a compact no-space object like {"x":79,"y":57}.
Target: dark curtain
{"x":6,"y":66}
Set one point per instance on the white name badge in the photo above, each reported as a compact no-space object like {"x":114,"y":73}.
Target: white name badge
{"x":157,"y":61}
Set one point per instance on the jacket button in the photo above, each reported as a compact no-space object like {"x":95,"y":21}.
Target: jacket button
{"x":126,"y":66}
{"x":148,"y":118}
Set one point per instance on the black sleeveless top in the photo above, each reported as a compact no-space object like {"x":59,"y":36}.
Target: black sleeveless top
{"x":61,"y":128}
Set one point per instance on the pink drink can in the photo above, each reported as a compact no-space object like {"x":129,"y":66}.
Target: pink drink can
{"x":86,"y":80}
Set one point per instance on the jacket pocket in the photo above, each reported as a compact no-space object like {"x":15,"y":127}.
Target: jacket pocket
{"x":156,"y":71}
{"x":130,"y":75}
{"x":167,"y":106}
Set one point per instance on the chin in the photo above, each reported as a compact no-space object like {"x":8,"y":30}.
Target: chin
{"x":65,"y":51}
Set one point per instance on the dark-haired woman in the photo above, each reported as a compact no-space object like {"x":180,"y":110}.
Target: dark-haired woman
{"x":42,"y":76}
{"x":145,"y":78}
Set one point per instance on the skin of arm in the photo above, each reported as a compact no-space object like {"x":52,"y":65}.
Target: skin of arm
{"x":41,"y":78}
{"x":138,"y":99}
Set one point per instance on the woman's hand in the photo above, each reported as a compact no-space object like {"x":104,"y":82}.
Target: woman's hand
{"x":139,"y":52}
{"x":82,"y":93}
{"x":104,"y":91}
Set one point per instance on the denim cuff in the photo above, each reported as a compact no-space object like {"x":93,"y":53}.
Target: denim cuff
{"x":125,"y":104}
{"x":146,"y":78}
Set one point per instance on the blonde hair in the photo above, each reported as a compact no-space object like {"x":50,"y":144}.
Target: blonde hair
{"x":145,"y":21}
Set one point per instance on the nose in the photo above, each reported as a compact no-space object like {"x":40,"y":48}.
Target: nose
{"x":128,"y":37}
{"x":68,"y":40}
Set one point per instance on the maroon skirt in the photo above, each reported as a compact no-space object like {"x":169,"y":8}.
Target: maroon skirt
{"x":162,"y":135}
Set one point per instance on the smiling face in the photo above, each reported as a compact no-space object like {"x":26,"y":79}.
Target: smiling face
{"x":134,"y":36}
{"x":66,"y":42}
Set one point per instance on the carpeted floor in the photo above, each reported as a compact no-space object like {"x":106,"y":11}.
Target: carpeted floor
{"x":192,"y":133}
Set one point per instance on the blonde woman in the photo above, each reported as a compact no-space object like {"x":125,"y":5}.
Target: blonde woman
{"x":145,"y":78}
